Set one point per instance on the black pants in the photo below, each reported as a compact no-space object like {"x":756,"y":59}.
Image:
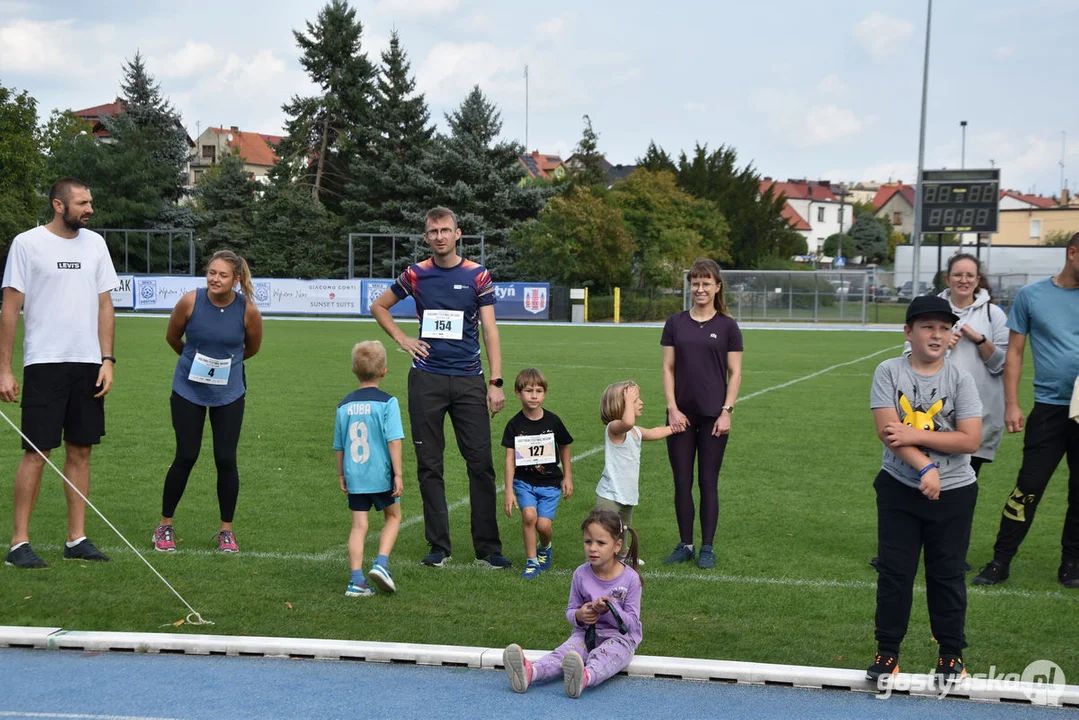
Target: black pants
{"x":696,"y":443}
{"x":1049,"y":436}
{"x":907,"y":523}
{"x":188,"y":420}
{"x":430,"y":397}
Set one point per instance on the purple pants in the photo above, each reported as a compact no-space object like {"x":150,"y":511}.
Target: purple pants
{"x":696,"y":443}
{"x":611,"y":656}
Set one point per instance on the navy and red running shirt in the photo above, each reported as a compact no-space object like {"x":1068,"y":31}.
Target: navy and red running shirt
{"x":459,"y":293}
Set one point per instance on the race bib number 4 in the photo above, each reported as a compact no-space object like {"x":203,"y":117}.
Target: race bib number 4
{"x":442,"y":324}
{"x":534,"y":449}
{"x":210,"y":371}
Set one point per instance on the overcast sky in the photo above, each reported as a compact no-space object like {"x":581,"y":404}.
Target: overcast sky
{"x":801,"y":89}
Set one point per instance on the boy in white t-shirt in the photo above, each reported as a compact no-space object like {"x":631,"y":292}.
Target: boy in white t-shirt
{"x":60,"y":276}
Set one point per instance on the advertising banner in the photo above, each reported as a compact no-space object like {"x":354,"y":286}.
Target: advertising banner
{"x":288,"y":296}
{"x":162,"y":292}
{"x":123,"y":295}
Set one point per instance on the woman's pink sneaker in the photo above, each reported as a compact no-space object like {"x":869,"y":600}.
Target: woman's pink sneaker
{"x":226,"y":542}
{"x":164,"y":540}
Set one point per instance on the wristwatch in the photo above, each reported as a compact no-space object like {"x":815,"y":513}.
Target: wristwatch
{"x":108,"y":357}
{"x":729,"y":409}
{"x":983,"y":340}
{"x":495,"y":382}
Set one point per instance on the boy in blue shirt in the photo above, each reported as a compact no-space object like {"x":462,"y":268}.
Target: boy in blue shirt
{"x":367,"y":441}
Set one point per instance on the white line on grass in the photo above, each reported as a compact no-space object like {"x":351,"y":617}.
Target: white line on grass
{"x":340,"y":555}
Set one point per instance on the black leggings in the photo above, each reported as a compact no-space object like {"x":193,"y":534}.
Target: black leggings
{"x":696,"y":443}
{"x":188,"y":420}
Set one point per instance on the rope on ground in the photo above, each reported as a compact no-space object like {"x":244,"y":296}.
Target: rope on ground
{"x":193,"y":617}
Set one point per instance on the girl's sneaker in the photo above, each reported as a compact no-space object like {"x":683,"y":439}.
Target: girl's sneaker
{"x":361,"y":590}
{"x":575,"y":676}
{"x":226,"y":542}
{"x":518,"y":668}
{"x":164,"y":539}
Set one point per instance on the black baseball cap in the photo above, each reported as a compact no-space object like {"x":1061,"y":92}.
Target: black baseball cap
{"x":930,"y":304}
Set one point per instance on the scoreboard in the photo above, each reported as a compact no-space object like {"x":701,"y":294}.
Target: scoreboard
{"x":958,"y":201}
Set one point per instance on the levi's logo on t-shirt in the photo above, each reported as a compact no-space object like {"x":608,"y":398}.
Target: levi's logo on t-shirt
{"x":68,"y":265}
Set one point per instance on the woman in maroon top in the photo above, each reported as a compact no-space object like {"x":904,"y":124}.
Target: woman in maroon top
{"x":702,"y":370}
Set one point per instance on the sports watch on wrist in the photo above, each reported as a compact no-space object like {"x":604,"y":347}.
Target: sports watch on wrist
{"x":108,"y":357}
{"x":495,"y":382}
{"x":729,"y":409}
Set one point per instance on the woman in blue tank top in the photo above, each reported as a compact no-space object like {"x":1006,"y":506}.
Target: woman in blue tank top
{"x":213,"y":330}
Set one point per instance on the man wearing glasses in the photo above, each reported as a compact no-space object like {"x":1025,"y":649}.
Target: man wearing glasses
{"x":451,"y":294}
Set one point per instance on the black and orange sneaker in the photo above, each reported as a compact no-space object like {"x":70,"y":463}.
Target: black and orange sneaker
{"x":950,"y":670}
{"x":885,"y":664}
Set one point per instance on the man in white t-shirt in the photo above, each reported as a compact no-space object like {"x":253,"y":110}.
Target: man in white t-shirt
{"x":60,"y":276}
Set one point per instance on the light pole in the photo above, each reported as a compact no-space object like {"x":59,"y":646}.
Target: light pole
{"x":916,"y":235}
{"x":963,"y":151}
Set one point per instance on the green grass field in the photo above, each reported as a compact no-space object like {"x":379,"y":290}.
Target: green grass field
{"x":797,"y":524}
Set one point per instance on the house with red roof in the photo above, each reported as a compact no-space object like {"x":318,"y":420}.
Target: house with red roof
{"x":812,"y":208}
{"x":94,"y":114}
{"x":258,"y":151}
{"x":541,"y":165}
{"x":1015,"y":200}
{"x":895,"y":202}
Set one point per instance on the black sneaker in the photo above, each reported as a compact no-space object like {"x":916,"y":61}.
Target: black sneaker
{"x":435,"y":558}
{"x":949,"y":670}
{"x":884,"y":664}
{"x":496,"y":561}
{"x":85,"y":550}
{"x":994,"y":573}
{"x":24,"y":557}
{"x":1068,"y":574}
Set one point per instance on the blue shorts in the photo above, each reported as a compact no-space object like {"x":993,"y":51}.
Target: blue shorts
{"x":544,"y":499}
{"x":363,"y":502}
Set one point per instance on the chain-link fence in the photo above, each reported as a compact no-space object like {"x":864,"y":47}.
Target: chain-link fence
{"x":154,"y":252}
{"x":385,"y":255}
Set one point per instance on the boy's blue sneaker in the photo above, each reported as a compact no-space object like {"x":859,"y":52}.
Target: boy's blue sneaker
{"x":544,"y":556}
{"x":382,"y":579}
{"x":362,"y":590}
{"x":435,"y":558}
{"x":682,"y":553}
{"x":531,"y":571}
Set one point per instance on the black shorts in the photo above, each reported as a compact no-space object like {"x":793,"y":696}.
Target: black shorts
{"x":59,"y":398}
{"x":363,"y":502}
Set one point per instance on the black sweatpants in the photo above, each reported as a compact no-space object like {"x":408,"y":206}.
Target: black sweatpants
{"x":188,"y":420}
{"x":696,"y":443}
{"x":909,"y":523}
{"x":1049,"y":436}
{"x":464,"y":397}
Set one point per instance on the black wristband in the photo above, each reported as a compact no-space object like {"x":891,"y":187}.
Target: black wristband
{"x":108,"y":357}
{"x":984,"y":339}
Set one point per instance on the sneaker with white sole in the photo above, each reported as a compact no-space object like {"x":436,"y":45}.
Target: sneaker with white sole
{"x":381,"y":577}
{"x":85,"y":550}
{"x":518,"y":668}
{"x":435,"y":558}
{"x":24,"y":557}
{"x":495,"y":561}
{"x":574,"y":674}
{"x":226,"y":542}
{"x":362,"y":590}
{"x":164,"y":539}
